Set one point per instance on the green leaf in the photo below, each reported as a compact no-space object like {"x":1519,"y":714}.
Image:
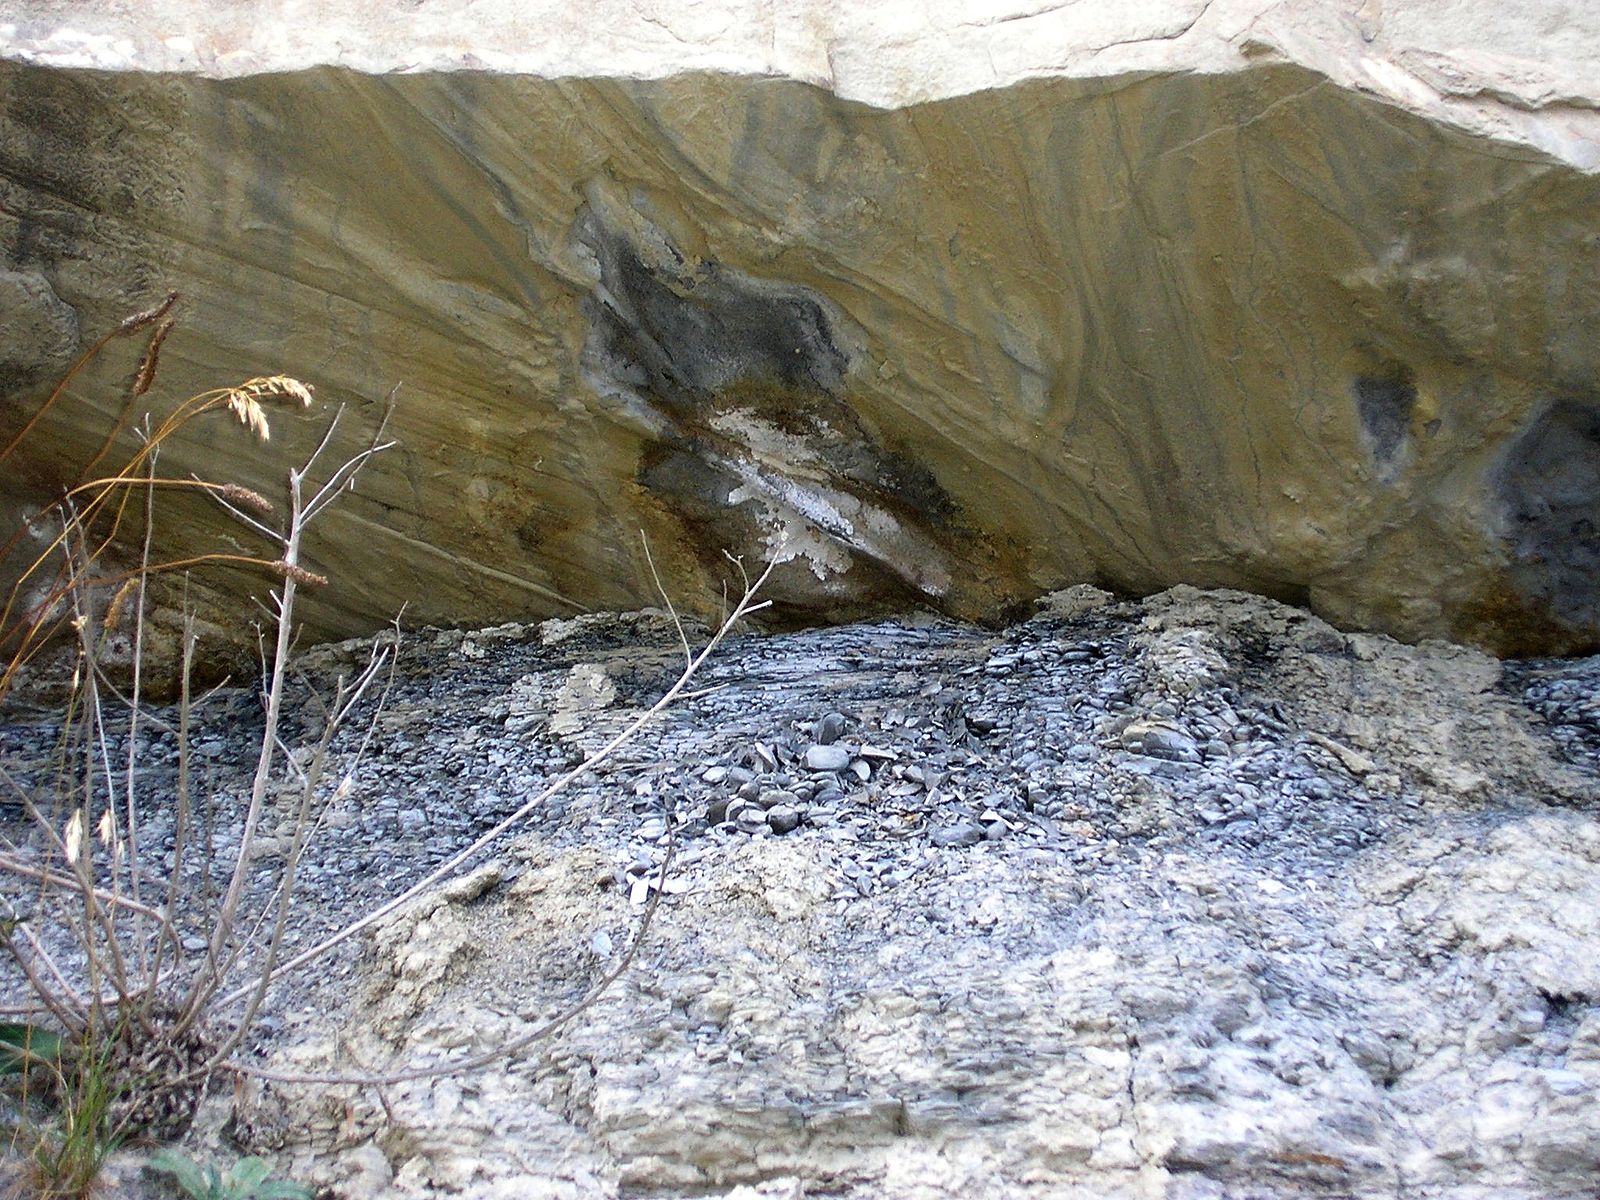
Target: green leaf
{"x":247,"y":1173}
{"x":21,"y":1044}
{"x":246,"y":1181}
{"x":186,"y":1171}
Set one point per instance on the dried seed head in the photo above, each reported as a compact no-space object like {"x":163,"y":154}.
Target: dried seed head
{"x":245,"y":400}
{"x":74,"y":837}
{"x":295,"y":390}
{"x":140,"y":319}
{"x":280,"y":386}
{"x":118,"y":602}
{"x":146,"y":375}
{"x":300,"y":575}
{"x":250,"y":413}
{"x":105,"y":830}
{"x":244,"y":497}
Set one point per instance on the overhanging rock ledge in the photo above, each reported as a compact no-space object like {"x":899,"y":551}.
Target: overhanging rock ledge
{"x":950,"y":304}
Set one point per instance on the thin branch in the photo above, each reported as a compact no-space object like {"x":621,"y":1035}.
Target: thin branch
{"x":745,"y":606}
{"x":300,"y":515}
{"x":94,"y":917}
{"x":244,"y":518}
{"x":500,"y":1053}
{"x":303,"y":829}
{"x":345,"y":478}
{"x":683,"y":637}
{"x":11,"y":864}
{"x":322,"y":444}
{"x":348,"y":471}
{"x":132,"y":809}
{"x":181,"y":819}
{"x":64,"y":1004}
{"x":208,"y":980}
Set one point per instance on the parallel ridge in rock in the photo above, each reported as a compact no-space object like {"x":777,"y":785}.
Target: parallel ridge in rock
{"x":1291,"y":298}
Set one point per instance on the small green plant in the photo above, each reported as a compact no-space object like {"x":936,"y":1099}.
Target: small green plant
{"x":116,"y":1028}
{"x":135,"y":979}
{"x":65,"y":1153}
{"x":247,"y":1180}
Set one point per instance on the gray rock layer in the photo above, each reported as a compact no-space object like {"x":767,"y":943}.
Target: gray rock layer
{"x":1334,"y":933}
{"x":937,"y":306}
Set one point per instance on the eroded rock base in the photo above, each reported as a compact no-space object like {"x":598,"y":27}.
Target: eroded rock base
{"x":1193,"y":897}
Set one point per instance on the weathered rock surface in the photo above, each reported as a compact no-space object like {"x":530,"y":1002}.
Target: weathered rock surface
{"x":948,"y":303}
{"x":1334,"y":932}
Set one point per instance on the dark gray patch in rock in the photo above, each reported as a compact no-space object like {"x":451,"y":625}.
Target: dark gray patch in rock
{"x":1549,"y":489}
{"x":752,"y":437}
{"x":683,"y":330}
{"x":1385,"y":403}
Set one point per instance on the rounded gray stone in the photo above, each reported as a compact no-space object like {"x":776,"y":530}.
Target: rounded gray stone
{"x":963,"y":833}
{"x":783,"y":818}
{"x":830,"y":729}
{"x":827,"y":758}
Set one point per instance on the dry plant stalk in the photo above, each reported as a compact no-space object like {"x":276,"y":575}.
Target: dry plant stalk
{"x":122,"y":990}
{"x":161,"y":1020}
{"x":746,"y":605}
{"x":93,"y":512}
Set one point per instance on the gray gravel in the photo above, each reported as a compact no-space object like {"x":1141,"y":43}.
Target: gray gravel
{"x":1207,"y":780}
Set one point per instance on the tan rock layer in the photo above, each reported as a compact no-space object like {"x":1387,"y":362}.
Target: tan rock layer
{"x":1250,"y":329}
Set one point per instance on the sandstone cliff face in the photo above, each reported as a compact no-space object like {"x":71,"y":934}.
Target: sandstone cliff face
{"x":946,"y":304}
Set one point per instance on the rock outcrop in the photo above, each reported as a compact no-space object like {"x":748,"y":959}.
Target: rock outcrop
{"x":1193,"y":898}
{"x":946,"y":304}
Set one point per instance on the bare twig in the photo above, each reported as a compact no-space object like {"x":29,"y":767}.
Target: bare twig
{"x":661,"y":590}
{"x":129,"y":793}
{"x":220,"y":950}
{"x":745,"y":607}
{"x":504,"y":1050}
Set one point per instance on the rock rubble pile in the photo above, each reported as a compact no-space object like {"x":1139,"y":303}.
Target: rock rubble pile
{"x":1189,"y":897}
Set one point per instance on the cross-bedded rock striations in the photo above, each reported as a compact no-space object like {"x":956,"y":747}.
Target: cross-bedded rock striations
{"x":944,"y":306}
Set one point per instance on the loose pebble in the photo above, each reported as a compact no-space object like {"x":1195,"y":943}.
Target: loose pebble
{"x":829,"y":757}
